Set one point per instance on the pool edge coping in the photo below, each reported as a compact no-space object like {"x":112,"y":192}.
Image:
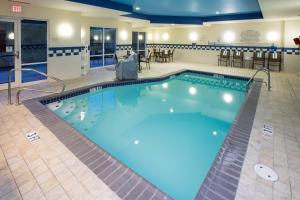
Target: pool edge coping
{"x":79,"y":145}
{"x":223,"y":177}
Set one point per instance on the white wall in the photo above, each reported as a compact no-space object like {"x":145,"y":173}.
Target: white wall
{"x":291,"y":30}
{"x":122,"y":27}
{"x":66,"y":67}
{"x":214,"y":33}
{"x":58,"y":66}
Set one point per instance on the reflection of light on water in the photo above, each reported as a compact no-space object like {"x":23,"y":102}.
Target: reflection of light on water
{"x":136,"y":142}
{"x":165,"y":85}
{"x":82,"y":116}
{"x":228,"y":98}
{"x":171,"y":110}
{"x":163,"y":100}
{"x":215,"y":133}
{"x":192,"y":90}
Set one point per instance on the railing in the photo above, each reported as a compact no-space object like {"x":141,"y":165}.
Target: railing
{"x":267,"y":71}
{"x":25,"y":88}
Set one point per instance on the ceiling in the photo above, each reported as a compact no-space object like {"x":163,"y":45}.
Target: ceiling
{"x":280,"y":9}
{"x":192,"y":8}
{"x":181,"y":13}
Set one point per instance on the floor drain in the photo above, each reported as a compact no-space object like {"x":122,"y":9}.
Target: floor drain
{"x":267,"y":131}
{"x":266,"y":172}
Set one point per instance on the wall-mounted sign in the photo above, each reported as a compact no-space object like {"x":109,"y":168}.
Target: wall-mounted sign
{"x":250,"y":36}
{"x":16,"y":8}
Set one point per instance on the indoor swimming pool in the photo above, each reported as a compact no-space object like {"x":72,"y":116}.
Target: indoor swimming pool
{"x":168,"y":132}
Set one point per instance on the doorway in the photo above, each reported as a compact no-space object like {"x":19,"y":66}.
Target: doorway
{"x":23,"y":44}
{"x":102,"y":46}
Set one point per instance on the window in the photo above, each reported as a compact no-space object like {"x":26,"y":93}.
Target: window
{"x":33,"y":49}
{"x":102,"y":46}
{"x":7,"y":48}
{"x":139,"y":42}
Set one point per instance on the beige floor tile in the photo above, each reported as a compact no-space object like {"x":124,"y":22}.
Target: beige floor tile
{"x":55,"y":193}
{"x":13,"y":195}
{"x":50,"y":163}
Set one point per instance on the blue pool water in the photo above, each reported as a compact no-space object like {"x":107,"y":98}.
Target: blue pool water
{"x":169,"y":132}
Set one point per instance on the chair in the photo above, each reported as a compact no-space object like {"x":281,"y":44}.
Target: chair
{"x":147,"y":60}
{"x":171,"y":55}
{"x":237,"y":58}
{"x":116,"y":58}
{"x":224,"y":57}
{"x":157,"y":55}
{"x":259,"y":59}
{"x":164,"y":56}
{"x":152,"y":54}
{"x":274,"y":59}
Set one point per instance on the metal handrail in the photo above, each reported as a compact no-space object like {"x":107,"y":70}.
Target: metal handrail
{"x":267,"y":71}
{"x":24,"y":88}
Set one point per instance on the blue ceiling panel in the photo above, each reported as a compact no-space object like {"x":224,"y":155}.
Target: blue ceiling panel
{"x":183,"y":11}
{"x":192,"y":8}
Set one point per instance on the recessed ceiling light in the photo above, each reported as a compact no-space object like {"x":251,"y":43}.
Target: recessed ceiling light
{"x":218,"y":12}
{"x":137,"y":8}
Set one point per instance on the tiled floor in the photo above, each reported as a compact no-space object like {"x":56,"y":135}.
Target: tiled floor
{"x":46,"y":169}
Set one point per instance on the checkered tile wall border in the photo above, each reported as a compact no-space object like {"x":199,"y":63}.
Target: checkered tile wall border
{"x":294,"y":51}
{"x":122,"y":47}
{"x":73,"y":51}
{"x":64,"y":51}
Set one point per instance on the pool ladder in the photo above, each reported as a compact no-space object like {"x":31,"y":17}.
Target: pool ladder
{"x":267,"y":71}
{"x":63,"y":85}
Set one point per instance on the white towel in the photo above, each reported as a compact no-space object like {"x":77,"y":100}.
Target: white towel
{"x":225,"y":53}
{"x":275,"y":55}
{"x":238,"y":53}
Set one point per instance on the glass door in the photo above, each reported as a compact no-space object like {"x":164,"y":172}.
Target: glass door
{"x":23,"y":44}
{"x":9,"y":50}
{"x":135,"y":44}
{"x":142,"y":43}
{"x":102,"y":46}
{"x":96,"y":47}
{"x":139,"y":42}
{"x":109,"y":46}
{"x":34,"y":49}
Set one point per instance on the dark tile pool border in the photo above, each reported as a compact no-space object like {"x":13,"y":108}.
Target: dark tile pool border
{"x":221,"y":181}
